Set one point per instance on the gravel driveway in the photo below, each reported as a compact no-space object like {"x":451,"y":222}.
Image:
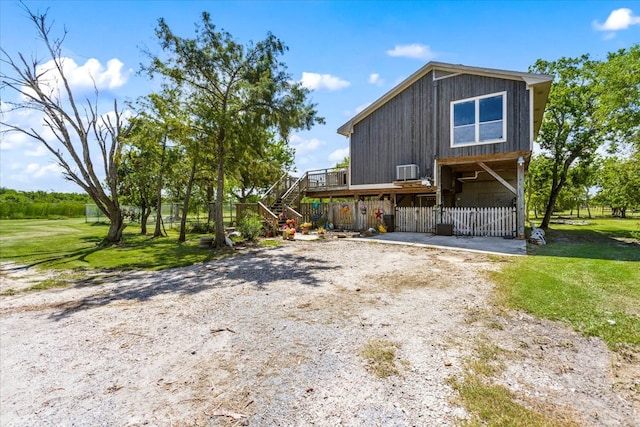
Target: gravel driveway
{"x":273,"y":337}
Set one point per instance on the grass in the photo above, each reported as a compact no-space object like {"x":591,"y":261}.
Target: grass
{"x":587,"y":276}
{"x":73,"y":244}
{"x":381,"y":357}
{"x":491,"y":404}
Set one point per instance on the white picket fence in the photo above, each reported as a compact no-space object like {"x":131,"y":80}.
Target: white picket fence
{"x":496,"y":222}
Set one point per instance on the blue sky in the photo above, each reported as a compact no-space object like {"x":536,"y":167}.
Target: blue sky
{"x":349,"y":53}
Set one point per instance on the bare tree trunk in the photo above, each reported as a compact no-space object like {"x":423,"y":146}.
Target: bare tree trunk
{"x":116,"y":227}
{"x":210,"y":205}
{"x":187,"y":197}
{"x":219,"y":217}
{"x":144,"y":219}
{"x":158,"y":231}
{"x":557,"y":184}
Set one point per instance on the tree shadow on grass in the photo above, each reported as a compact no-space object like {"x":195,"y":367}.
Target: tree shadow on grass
{"x":590,"y":244}
{"x":258,"y":269}
{"x":59,"y":256}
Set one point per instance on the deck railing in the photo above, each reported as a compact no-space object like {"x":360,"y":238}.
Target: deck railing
{"x":327,"y":179}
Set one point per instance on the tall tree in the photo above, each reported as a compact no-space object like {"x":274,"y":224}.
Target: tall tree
{"x":619,"y":182}
{"x":160,"y":126}
{"x":569,"y":130}
{"x":618,"y":87}
{"x":258,"y":165}
{"x":238,"y":84}
{"x":537,"y":184}
{"x":77,"y":129}
{"x":582,"y":177}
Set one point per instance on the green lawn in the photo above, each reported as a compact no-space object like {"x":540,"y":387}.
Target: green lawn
{"x":73,"y":244}
{"x":587,"y":276}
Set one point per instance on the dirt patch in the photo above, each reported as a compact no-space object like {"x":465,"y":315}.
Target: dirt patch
{"x":275,"y":337}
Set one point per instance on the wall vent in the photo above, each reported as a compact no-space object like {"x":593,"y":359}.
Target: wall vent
{"x":406,"y":172}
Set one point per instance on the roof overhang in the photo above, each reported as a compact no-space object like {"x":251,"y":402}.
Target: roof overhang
{"x":540,"y":84}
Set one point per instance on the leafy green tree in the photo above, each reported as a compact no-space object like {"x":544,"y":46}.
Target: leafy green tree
{"x":230,"y":85}
{"x":619,"y":181}
{"x":259,"y":165}
{"x":570,"y":130}
{"x":77,"y":128}
{"x":137,"y":182}
{"x":344,"y":163}
{"x":538,"y":184}
{"x":582,"y":177}
{"x":618,"y":87}
{"x":157,"y":131}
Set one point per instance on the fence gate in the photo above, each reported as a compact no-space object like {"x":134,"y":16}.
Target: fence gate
{"x":416,"y":220}
{"x":494,"y":222}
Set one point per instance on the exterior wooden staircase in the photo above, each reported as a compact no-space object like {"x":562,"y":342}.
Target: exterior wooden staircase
{"x":283,"y":199}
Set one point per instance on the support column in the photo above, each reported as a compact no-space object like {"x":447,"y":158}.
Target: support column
{"x":520,"y":199}
{"x":438,"y":177}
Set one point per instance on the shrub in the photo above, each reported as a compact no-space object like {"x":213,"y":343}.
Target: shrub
{"x":202,"y":228}
{"x":250,"y":225}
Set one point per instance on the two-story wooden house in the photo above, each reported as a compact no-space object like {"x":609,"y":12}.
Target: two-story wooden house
{"x":447,"y":136}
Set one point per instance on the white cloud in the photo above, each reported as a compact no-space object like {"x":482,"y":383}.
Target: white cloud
{"x":374,"y":79}
{"x":415,"y":51}
{"x":339,"y":155}
{"x":619,"y":19}
{"x":315,"y":81}
{"x":36,"y":171}
{"x":305,"y":146}
{"x":12,"y":140}
{"x":38,"y":151}
{"x":51,"y":169}
{"x":84,"y":76}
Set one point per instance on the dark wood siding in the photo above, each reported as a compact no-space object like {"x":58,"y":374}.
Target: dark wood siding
{"x":401,"y":131}
{"x":469,"y":86}
{"x":398,"y":133}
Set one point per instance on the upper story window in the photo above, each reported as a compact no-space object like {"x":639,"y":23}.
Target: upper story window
{"x":479,"y":120}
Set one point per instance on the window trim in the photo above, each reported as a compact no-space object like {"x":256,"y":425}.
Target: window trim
{"x":476,"y":100}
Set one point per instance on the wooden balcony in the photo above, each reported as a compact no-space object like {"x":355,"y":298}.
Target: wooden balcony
{"x":327,"y":180}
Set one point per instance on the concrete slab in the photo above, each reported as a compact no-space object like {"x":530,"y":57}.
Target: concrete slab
{"x":491,"y":245}
{"x":300,"y":236}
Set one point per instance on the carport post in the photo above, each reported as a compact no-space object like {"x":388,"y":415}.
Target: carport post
{"x":520,"y":199}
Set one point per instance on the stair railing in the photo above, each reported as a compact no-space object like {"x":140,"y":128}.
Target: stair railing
{"x":272,"y":193}
{"x":298,"y":187}
{"x":269,"y":216}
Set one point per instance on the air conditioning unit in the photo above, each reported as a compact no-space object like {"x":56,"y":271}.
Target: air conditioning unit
{"x":406,"y":172}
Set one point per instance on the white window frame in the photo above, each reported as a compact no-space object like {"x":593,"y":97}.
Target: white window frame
{"x":476,"y":100}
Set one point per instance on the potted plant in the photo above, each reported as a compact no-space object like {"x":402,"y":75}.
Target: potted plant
{"x":288,"y":233}
{"x":305,"y":226}
{"x":322,"y":233}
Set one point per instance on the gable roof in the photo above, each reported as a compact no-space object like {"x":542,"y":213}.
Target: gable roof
{"x":540,"y":84}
